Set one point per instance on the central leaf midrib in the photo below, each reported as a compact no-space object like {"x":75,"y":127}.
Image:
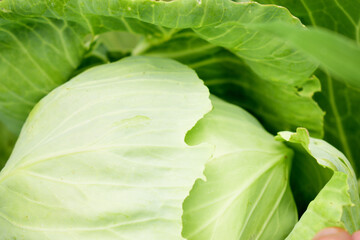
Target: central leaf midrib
{"x":339,"y":125}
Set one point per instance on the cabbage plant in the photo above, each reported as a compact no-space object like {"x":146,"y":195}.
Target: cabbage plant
{"x":182,"y":119}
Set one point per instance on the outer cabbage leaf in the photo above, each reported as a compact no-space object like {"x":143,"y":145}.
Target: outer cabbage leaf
{"x":335,"y":53}
{"x":7,"y":141}
{"x":340,"y":16}
{"x":104,"y":156}
{"x":36,"y":55}
{"x":338,"y":202}
{"x":339,"y":100}
{"x":279,"y":106}
{"x":340,"y":57}
{"x":246,"y":194}
{"x":93,"y":23}
{"x":221,"y":22}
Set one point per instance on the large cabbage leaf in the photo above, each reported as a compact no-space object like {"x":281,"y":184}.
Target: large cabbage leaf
{"x":338,"y":202}
{"x":104,"y":157}
{"x":246,"y":194}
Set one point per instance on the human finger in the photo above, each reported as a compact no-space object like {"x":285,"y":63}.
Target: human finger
{"x":356,"y":236}
{"x":333,"y":233}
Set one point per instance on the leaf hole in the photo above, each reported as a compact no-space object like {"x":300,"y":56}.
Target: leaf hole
{"x":299,"y":89}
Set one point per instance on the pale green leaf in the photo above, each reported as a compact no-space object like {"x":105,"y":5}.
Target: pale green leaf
{"x":325,"y":211}
{"x":104,"y":156}
{"x":338,"y":202}
{"x":246,"y":194}
{"x":307,"y":177}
